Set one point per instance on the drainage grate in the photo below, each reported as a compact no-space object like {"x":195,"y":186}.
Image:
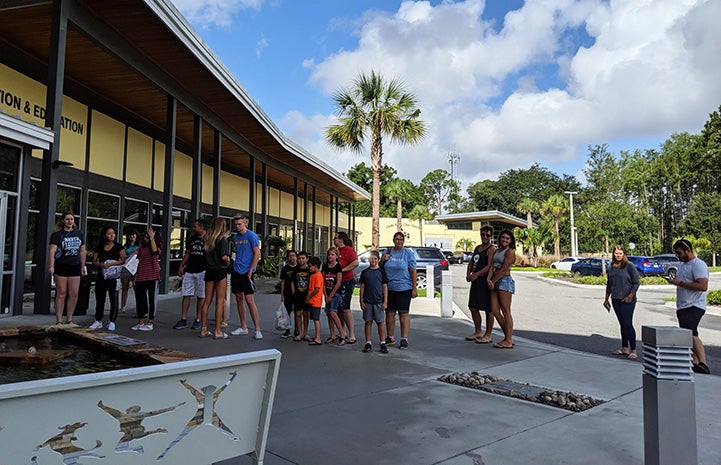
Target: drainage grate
{"x":497,"y":385}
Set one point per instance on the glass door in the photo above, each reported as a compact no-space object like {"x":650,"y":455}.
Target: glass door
{"x":7,"y":270}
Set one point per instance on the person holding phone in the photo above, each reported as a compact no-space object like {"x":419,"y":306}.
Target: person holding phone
{"x":621,"y":287}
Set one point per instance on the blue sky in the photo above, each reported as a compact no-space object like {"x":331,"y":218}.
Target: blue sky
{"x":506,"y":83}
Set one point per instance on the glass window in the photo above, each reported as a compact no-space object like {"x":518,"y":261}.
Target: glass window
{"x":103,"y":206}
{"x":103,"y":210}
{"x":9,"y":168}
{"x":136,"y":212}
{"x":68,"y":199}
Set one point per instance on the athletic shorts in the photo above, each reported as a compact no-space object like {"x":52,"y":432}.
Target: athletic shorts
{"x":299,"y":303}
{"x":314,"y":314}
{"x":215,"y":276}
{"x":65,"y":270}
{"x":332,"y":306}
{"x":241,"y":284}
{"x":373,"y":312}
{"x":689,"y":318}
{"x":507,"y":284}
{"x":399,"y":301}
{"x":346,"y":294}
{"x":194,"y":285}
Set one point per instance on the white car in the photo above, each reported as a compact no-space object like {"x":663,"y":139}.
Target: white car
{"x":565,"y":263}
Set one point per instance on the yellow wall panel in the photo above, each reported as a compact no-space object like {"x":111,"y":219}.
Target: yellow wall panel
{"x":107,"y":146}
{"x":259,"y":198}
{"x":273,"y":201}
{"x":207,"y":185}
{"x":73,"y":134}
{"x":286,"y":205}
{"x":233,"y":191}
{"x":183,"y":175}
{"x":159,"y":174}
{"x":139,"y":166}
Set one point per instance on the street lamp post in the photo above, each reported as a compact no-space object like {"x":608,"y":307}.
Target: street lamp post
{"x":574,"y":243}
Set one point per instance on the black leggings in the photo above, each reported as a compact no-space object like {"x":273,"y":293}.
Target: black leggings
{"x":624,"y":313}
{"x":106,"y":287}
{"x":145,"y":299}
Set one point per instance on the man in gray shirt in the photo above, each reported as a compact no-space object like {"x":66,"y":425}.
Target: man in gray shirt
{"x":691,"y":283}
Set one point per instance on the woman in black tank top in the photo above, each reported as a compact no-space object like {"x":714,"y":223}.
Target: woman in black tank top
{"x":479,"y":298}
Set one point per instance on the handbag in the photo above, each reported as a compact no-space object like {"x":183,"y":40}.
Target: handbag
{"x":282,"y":322}
{"x":130,"y":267}
{"x":112,"y":272}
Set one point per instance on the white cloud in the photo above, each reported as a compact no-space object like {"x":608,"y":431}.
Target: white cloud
{"x":261,"y":45}
{"x":214,"y":12}
{"x":650,"y":69}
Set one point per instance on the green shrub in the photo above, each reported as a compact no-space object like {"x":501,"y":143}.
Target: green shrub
{"x":556,"y":274}
{"x":597,"y":280}
{"x":268,"y":267}
{"x":714,"y":297}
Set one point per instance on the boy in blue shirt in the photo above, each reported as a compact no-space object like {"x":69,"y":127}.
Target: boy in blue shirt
{"x":374,"y":300}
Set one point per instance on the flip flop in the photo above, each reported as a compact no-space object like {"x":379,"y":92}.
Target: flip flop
{"x":619,"y":352}
{"x":498,"y":346}
{"x":205,"y":334}
{"x":330,"y":340}
{"x":351,"y":341}
{"x":341,"y":341}
{"x":224,"y":336}
{"x":481,"y":341}
{"x":313,"y":342}
{"x":471,"y":338}
{"x":632,"y":356}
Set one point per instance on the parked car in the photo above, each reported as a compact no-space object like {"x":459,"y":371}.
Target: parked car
{"x":451,"y":257}
{"x":647,"y":266}
{"x":565,"y":263}
{"x":466,"y":256}
{"x":589,"y":266}
{"x":424,"y":256}
{"x":670,"y":263}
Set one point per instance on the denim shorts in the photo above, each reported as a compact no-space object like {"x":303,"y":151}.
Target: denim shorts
{"x":332,"y":306}
{"x":507,"y":284}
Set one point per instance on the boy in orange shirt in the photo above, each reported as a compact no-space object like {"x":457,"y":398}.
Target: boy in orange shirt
{"x":315,"y":297}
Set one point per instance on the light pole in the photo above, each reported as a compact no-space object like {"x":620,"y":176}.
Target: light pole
{"x":574,"y":244}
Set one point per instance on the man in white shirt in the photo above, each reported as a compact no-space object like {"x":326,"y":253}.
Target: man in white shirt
{"x":691,"y":283}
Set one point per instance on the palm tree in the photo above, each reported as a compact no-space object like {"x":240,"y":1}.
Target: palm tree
{"x":533,"y":238}
{"x":555,"y":206}
{"x":373,"y":108}
{"x":465,"y":244}
{"x":528,"y":206}
{"x":420,"y":213}
{"x":397,"y":190}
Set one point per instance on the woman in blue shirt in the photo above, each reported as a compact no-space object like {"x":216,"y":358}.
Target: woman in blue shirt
{"x":400,"y":266}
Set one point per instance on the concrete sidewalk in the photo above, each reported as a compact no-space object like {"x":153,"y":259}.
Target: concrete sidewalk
{"x":338,"y":405}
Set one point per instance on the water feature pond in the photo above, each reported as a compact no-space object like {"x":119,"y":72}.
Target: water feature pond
{"x":44,"y":352}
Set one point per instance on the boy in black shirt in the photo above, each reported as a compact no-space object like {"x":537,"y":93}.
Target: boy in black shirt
{"x":286,"y":289}
{"x":299,"y":283}
{"x":374,"y":300}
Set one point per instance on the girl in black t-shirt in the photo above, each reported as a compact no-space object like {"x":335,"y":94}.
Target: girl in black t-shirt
{"x":332,"y":276}
{"x":67,"y":264}
{"x":286,"y":290}
{"x":108,"y":253}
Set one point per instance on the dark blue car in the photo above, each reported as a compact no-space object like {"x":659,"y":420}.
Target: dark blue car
{"x":589,"y":267}
{"x":647,"y":266}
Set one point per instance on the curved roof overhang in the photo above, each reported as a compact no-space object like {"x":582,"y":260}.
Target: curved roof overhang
{"x":127,"y":56}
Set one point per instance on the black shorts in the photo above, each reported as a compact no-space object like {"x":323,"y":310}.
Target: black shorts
{"x":314,"y":314}
{"x":241,"y":284}
{"x":215,"y":276}
{"x":299,"y":304}
{"x":689,"y":318}
{"x":65,"y":270}
{"x":399,"y":301}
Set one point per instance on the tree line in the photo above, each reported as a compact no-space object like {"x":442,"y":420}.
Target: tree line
{"x":646,"y":197}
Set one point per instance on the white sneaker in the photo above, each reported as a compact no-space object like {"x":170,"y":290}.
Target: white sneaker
{"x":258,"y":335}
{"x":239,"y":332}
{"x":96,"y":325}
{"x":148,"y":327}
{"x":111,"y":326}
{"x":137,"y":327}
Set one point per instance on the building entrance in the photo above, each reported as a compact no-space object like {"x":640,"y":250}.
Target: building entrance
{"x":9,"y":186}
